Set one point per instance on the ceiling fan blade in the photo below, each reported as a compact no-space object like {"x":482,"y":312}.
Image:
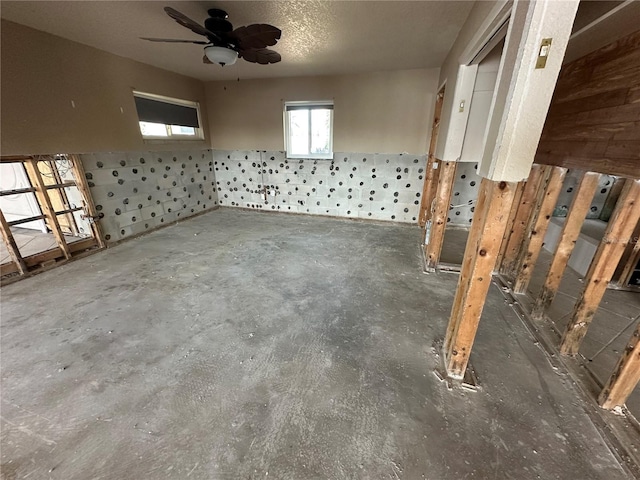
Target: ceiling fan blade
{"x":206,"y":60}
{"x":263,"y":56}
{"x":258,"y":35}
{"x":171,"y":40}
{"x":192,"y":25}
{"x":218,"y":25}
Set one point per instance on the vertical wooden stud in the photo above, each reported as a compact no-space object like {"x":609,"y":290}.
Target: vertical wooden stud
{"x":625,"y":375}
{"x":629,"y":260}
{"x":439,"y":222}
{"x":529,"y":254}
{"x":621,"y":225}
{"x":521,"y":217}
{"x":517,"y":197}
{"x":45,"y":204}
{"x":578,"y":210}
{"x":483,"y":245}
{"x":81,"y":181}
{"x":12,"y":246}
{"x":430,"y":177}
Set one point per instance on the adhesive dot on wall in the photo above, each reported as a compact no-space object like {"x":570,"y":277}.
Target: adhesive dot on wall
{"x":472,"y":183}
{"x":123,"y":163}
{"x":114,"y":173}
{"x":109,"y":194}
{"x":120,"y":182}
{"x":99,"y":164}
{"x":142,"y":160}
{"x":118,"y":211}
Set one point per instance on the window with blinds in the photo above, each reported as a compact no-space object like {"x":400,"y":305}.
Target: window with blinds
{"x":163,"y":117}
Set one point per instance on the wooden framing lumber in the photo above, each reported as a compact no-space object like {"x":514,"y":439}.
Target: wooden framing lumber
{"x":529,"y":254}
{"x":45,"y":204}
{"x":616,"y":237}
{"x":83,"y":187}
{"x":487,"y":228}
{"x":629,"y":261}
{"x":430,"y":174}
{"x":523,"y":211}
{"x":439,"y":222}
{"x":12,"y":246}
{"x":517,"y":197}
{"x":578,"y":210}
{"x":625,"y":375}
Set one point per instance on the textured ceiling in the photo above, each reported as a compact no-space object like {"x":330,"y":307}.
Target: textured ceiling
{"x":318,"y":37}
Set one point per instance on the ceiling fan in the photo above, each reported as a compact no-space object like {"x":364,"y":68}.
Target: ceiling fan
{"x":224,"y":44}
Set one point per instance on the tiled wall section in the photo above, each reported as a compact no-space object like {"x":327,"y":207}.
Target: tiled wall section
{"x":356,"y":185}
{"x":138,"y":191}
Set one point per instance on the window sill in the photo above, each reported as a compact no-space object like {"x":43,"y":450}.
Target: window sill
{"x":161,"y":141}
{"x":309,"y":157}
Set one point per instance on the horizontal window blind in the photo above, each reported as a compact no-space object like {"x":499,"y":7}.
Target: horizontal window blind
{"x":155,"y":111}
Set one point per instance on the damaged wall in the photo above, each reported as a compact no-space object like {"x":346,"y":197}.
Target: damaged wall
{"x":138,"y":191}
{"x":354,"y":185}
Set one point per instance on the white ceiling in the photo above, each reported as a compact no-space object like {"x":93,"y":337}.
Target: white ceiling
{"x":319,"y":37}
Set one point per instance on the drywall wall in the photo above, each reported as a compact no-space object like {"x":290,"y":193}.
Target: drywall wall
{"x":353,"y":185}
{"x":480,"y":108}
{"x":381,"y":112}
{"x":135,"y":192}
{"x":61,"y":96}
{"x":453,"y":121}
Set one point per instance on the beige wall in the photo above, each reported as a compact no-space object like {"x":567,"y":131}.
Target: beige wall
{"x":42,"y":74}
{"x":382,"y":112}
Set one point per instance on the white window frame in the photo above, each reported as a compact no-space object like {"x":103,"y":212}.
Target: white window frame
{"x":199,"y":132}
{"x":287,"y":137}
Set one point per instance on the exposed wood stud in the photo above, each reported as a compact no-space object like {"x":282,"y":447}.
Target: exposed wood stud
{"x":616,"y":237}
{"x":489,"y":222}
{"x":517,"y":197}
{"x":12,"y":246}
{"x":45,"y":204}
{"x":83,"y":187}
{"x":430,"y":174}
{"x":441,"y":212}
{"x":625,"y":375}
{"x":529,"y":254}
{"x":521,"y":218}
{"x":629,"y":260}
{"x":578,"y":210}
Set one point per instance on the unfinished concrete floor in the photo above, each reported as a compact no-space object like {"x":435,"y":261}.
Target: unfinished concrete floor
{"x":241,"y":345}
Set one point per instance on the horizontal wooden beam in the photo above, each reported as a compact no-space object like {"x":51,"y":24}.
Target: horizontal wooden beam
{"x":20,"y":221}
{"x":17,"y":191}
{"x":622,"y":167}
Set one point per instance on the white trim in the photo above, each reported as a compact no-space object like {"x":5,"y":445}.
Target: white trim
{"x":199,"y":131}
{"x":287,"y":139}
{"x":492,"y":24}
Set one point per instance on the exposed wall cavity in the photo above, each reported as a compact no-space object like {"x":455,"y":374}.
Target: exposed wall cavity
{"x":464,"y":194}
{"x":138,"y":191}
{"x":568,"y":191}
{"x":355,"y":185}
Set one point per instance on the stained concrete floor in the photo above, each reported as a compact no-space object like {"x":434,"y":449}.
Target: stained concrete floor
{"x":240,"y":345}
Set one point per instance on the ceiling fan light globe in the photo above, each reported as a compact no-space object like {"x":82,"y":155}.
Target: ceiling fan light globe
{"x":221,"y":55}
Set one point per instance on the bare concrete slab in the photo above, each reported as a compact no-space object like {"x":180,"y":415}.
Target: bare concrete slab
{"x":245,"y":345}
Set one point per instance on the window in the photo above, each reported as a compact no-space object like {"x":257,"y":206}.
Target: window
{"x":308,"y":128}
{"x":167,"y":118}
